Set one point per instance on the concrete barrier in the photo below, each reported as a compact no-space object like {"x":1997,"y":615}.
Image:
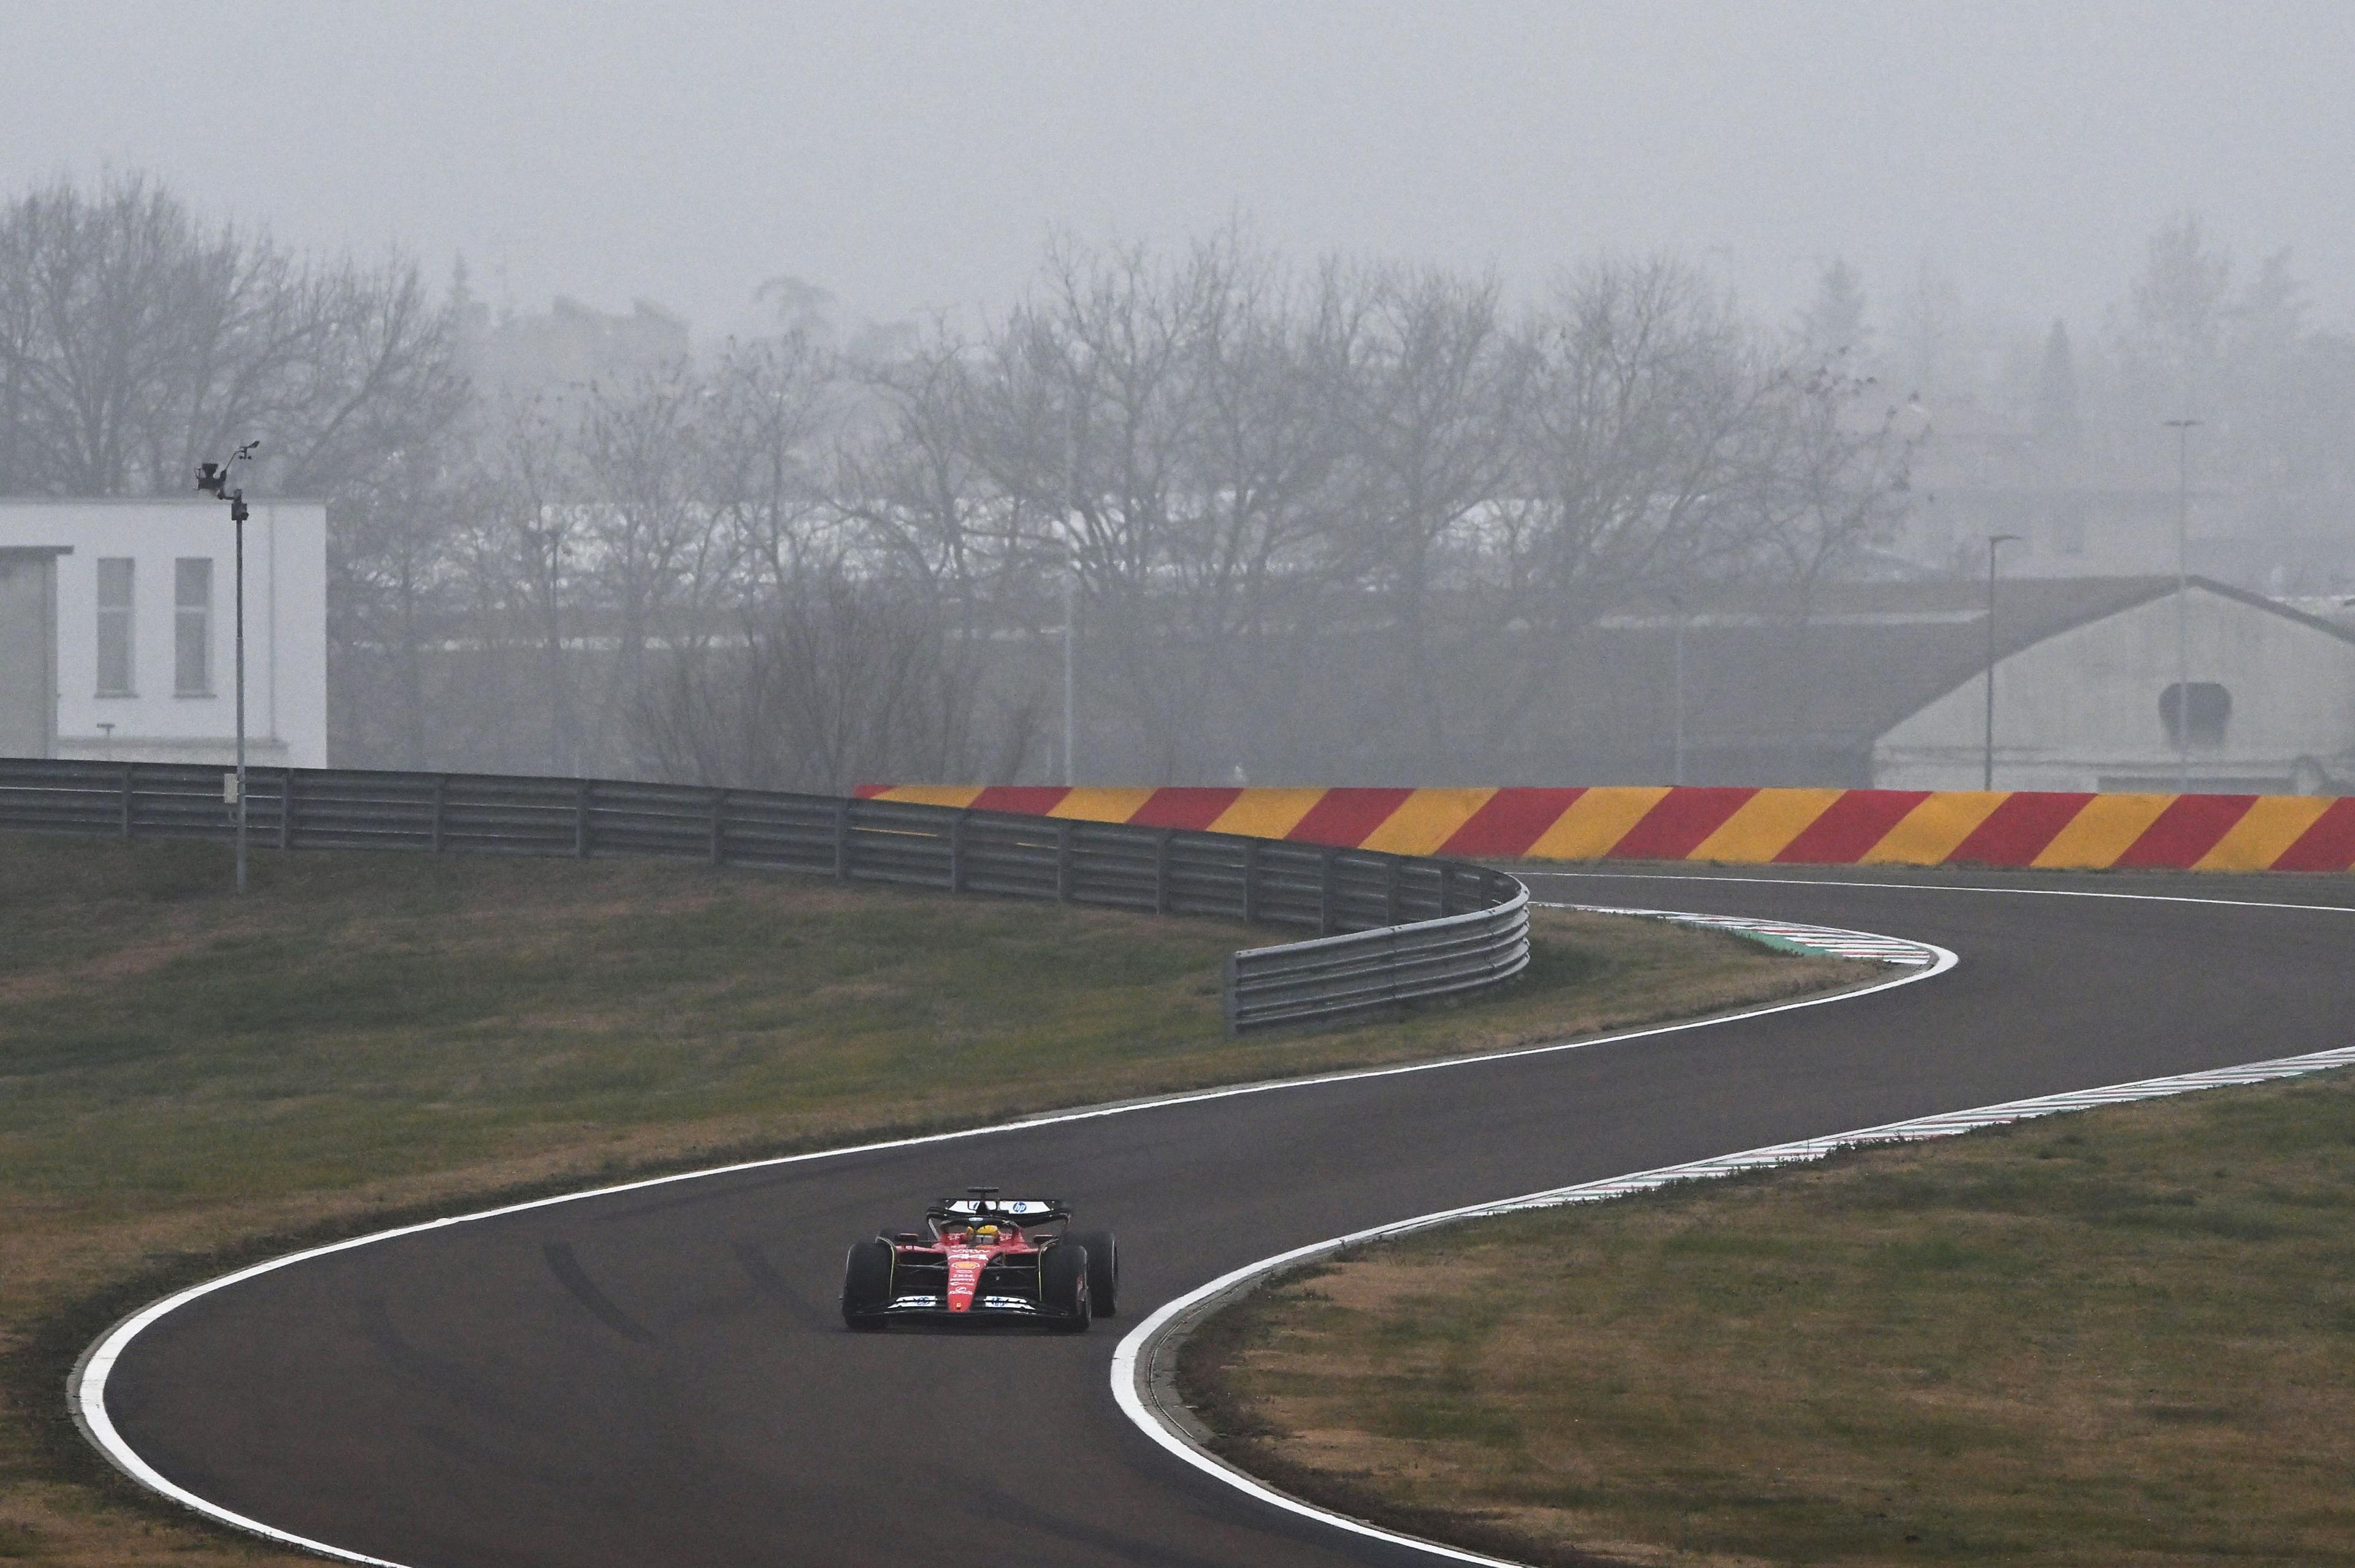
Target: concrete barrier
{"x":1735,"y":827}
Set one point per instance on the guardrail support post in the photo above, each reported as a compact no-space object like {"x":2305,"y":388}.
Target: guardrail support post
{"x":842,"y":840}
{"x":1063,"y":862}
{"x":1161,"y":872}
{"x":286,"y":808}
{"x":126,"y":798}
{"x":956,"y":853}
{"x":1229,"y":1001}
{"x":1250,"y":891}
{"x":1328,"y":917}
{"x":719,"y":826}
{"x":440,"y":807}
{"x":580,"y":823}
{"x":1392,"y":875}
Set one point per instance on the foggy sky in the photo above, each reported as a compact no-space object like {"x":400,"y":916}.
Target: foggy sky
{"x":917,"y":158}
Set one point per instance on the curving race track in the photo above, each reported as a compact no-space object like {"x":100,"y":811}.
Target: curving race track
{"x":656,"y":1375}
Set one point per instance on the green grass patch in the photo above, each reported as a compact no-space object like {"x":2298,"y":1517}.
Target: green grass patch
{"x":2121,"y":1336}
{"x":188,"y":1078}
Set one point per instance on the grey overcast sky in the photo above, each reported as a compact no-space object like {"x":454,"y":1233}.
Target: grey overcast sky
{"x":917,"y":157}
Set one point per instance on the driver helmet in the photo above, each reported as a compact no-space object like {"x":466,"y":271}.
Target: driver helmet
{"x":984,"y":1234}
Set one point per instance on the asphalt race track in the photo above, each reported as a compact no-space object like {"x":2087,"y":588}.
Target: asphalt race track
{"x":659,"y":1377}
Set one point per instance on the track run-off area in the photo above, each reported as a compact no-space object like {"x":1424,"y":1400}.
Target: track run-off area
{"x":655,"y":1374}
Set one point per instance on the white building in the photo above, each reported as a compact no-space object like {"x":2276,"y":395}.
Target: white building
{"x":117,"y":631}
{"x":2095,"y":702}
{"x":1885,"y":684}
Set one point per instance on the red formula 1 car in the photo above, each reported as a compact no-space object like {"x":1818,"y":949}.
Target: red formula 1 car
{"x":983,"y":1257}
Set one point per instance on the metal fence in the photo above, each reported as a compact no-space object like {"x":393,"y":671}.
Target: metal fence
{"x":1391,"y":928}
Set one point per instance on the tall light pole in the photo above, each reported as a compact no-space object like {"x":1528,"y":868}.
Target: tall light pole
{"x":2182,"y":429}
{"x":1677,"y":775}
{"x":1987,"y":765}
{"x":1071,"y":665}
{"x":212,"y":478}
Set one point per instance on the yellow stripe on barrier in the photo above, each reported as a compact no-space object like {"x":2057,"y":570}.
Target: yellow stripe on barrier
{"x":1101,"y":805}
{"x":933,"y":795}
{"x":1267,"y":812}
{"x":1764,"y":824}
{"x":1999,"y":827}
{"x":1427,"y":820}
{"x":2272,"y":824}
{"x":1934,"y":829}
{"x":2104,"y":829}
{"x":1594,"y":822}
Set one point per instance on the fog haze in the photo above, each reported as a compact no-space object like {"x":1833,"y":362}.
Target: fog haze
{"x":915,"y":159}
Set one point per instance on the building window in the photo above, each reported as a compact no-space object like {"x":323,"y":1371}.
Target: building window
{"x":192,"y":599}
{"x":2199,"y":722}
{"x":114,"y":627}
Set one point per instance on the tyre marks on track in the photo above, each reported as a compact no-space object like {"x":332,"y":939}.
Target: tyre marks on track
{"x":565,"y":1266}
{"x":771,"y":1284}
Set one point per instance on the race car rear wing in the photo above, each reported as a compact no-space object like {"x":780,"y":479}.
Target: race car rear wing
{"x":1022,"y":1210}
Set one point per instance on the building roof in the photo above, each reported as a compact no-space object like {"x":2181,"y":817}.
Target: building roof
{"x":1766,"y":669}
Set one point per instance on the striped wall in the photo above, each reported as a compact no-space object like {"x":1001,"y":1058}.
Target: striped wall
{"x":1742,"y":827}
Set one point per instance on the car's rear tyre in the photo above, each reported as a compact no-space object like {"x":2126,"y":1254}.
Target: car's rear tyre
{"x":1103,"y":1271}
{"x":1063,"y":1287}
{"x":867,"y":1284}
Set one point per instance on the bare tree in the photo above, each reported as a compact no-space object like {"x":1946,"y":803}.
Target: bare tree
{"x":1161,"y":432}
{"x":1432,"y":384}
{"x":1652,"y":435}
{"x":135,"y":340}
{"x":658,"y":557}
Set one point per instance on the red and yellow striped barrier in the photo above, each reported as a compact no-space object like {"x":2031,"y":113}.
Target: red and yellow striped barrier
{"x":1740,"y":827}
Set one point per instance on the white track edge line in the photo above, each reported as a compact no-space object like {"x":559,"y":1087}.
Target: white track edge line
{"x":1944,"y":888}
{"x":86,"y":1388}
{"x":1832,"y":941}
{"x":1133,"y":1361}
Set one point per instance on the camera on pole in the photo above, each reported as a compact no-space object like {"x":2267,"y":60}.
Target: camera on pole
{"x":212,"y":479}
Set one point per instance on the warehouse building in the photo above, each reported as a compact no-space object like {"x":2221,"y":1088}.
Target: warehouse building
{"x":1885,"y":684}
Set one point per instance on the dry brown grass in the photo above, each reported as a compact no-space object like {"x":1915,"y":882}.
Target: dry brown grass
{"x":2127,"y":1337}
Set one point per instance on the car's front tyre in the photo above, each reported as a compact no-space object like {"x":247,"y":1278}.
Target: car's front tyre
{"x":1103,"y":1271}
{"x":867,"y":1284}
{"x":1063,"y":1287}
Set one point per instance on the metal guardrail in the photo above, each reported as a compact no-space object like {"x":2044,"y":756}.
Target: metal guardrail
{"x":1391,"y":928}
{"x":1302,"y":982}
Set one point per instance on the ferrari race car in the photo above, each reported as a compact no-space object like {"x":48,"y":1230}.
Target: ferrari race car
{"x":979,"y":1257}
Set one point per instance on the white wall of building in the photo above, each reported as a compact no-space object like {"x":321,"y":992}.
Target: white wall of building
{"x":286,"y":628}
{"x":2081,"y":710}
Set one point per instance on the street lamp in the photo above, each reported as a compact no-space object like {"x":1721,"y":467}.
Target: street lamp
{"x":1071,"y":665}
{"x":2182,"y":429}
{"x":1987,"y":767}
{"x":212,"y":479}
{"x":1676,"y":769}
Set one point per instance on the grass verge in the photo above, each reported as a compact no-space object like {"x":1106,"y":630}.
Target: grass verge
{"x":2120,"y":1336}
{"x":188,"y":1081}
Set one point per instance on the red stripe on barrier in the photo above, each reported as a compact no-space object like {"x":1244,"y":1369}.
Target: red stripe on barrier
{"x":1509,"y":822}
{"x":1346,"y":818}
{"x":1186,"y":806}
{"x":2327,"y":846}
{"x":1029,"y":800}
{"x":868,"y":791}
{"x":1850,"y":827}
{"x":2017,"y":831}
{"x":1675,"y":827}
{"x":2186,"y":830}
